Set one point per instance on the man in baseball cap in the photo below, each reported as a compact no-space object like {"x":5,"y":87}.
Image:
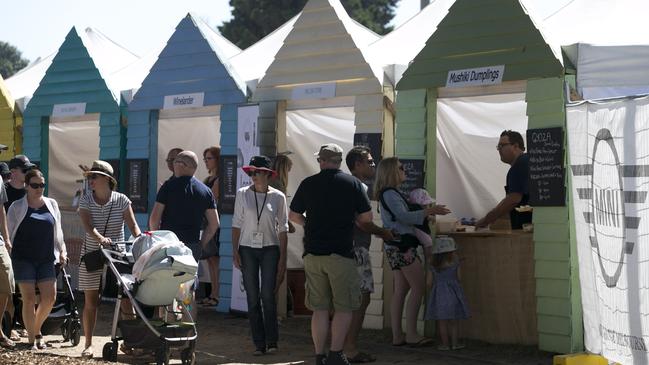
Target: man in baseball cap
{"x":330,"y":152}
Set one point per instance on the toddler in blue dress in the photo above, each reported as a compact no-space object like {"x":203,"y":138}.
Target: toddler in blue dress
{"x":446,"y":304}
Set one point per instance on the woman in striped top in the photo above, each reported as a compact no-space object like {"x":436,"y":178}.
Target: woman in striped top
{"x":103,"y":213}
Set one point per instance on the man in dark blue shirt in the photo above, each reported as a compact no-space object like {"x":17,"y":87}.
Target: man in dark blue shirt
{"x":511,"y":148}
{"x":183,"y":202}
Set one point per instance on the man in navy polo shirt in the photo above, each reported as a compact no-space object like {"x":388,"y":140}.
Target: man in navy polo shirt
{"x":332,"y":201}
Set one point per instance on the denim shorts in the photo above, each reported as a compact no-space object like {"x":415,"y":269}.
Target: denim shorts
{"x":29,"y":272}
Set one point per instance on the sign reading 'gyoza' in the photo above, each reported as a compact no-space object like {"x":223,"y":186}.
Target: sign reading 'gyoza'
{"x":491,"y":75}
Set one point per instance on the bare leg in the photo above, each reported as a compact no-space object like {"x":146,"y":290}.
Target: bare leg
{"x":213,"y":265}
{"x":339,"y":328}
{"x":351,"y":346}
{"x":453,"y":326}
{"x":28,"y":292}
{"x":401,"y":288}
{"x":47,"y":291}
{"x":414,"y":274}
{"x":90,"y":314}
{"x":443,"y":331}
{"x":320,"y":330}
{"x":4,"y":298}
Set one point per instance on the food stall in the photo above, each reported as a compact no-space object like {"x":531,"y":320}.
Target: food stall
{"x":188,"y":100}
{"x":471,"y":81}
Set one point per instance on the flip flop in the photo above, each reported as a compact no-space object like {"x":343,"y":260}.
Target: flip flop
{"x":422,"y":343}
{"x":361,"y":358}
{"x":7,"y":343}
{"x":211,"y":302}
{"x":403,"y":343}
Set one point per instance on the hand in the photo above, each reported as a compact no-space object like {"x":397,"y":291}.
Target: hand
{"x":281,"y":273}
{"x":437,"y":210}
{"x":63,"y":260}
{"x":291,"y":228}
{"x":236,"y":259}
{"x":105,"y":241}
{"x":386,"y":235}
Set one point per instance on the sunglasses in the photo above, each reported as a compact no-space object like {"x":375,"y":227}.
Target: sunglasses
{"x":371,"y":163}
{"x":256,"y":172}
{"x":207,"y":158}
{"x":37,"y":186}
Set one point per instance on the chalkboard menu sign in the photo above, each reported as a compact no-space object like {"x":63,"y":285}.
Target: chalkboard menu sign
{"x":415,"y":176}
{"x":137,"y":184}
{"x":227,"y":184}
{"x":372,"y":141}
{"x":545,"y":150}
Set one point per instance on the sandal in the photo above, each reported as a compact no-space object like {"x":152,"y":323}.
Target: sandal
{"x":7,"y":343}
{"x":361,"y":358}
{"x":87,"y":353}
{"x":14,"y":336}
{"x":211,"y":302}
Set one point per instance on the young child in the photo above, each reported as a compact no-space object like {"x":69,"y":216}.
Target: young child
{"x":446,"y":303}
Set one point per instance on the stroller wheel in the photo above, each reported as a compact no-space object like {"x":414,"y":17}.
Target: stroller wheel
{"x":188,"y":356}
{"x":75,"y":333}
{"x":162,"y":355}
{"x":109,"y":352}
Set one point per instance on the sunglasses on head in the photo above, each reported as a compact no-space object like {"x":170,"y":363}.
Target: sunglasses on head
{"x":37,"y":185}
{"x":256,"y":172}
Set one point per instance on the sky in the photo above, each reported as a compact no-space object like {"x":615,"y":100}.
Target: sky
{"x":38,"y":27}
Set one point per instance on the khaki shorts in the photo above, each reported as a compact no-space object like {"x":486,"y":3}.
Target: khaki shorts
{"x":330,"y":283}
{"x":7,"y":285}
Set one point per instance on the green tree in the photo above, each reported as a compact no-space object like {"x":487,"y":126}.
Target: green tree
{"x":11,"y":60}
{"x":254,"y":19}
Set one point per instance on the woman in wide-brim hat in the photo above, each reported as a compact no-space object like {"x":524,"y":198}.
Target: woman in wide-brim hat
{"x":259,"y":238}
{"x":103,"y":213}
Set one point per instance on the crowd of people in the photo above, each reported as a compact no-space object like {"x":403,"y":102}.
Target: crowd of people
{"x":332,"y":206}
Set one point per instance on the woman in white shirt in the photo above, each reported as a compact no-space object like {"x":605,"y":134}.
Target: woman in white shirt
{"x":259,"y":228}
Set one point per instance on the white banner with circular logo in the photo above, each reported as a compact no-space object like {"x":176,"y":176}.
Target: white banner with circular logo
{"x":609,"y":157}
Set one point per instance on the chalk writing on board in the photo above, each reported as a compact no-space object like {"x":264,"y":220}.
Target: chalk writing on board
{"x":546,"y":182}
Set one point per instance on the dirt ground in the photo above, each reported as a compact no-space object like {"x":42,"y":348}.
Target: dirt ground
{"x":225,"y":339}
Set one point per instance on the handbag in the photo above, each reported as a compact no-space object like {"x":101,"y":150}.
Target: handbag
{"x":95,"y":259}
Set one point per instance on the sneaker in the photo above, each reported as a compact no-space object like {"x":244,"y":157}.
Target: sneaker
{"x":272,"y":348}
{"x":259,"y":351}
{"x":320,"y":359}
{"x":40,"y":343}
{"x":336,"y":358}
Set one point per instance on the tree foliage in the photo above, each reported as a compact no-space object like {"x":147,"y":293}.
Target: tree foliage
{"x":11,"y":60}
{"x":254,"y":19}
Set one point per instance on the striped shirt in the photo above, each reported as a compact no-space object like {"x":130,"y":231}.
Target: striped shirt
{"x":108,"y":219}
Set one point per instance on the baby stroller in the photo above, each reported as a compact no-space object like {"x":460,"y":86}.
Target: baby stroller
{"x":160,"y":264}
{"x":64,"y":313}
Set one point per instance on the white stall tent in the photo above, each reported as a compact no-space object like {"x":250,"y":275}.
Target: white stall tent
{"x":73,"y":141}
{"x":24,"y":82}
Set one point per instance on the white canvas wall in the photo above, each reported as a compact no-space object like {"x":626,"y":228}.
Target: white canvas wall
{"x":470,"y":175}
{"x":189,"y":133}
{"x":71,"y":142}
{"x":306,"y":131}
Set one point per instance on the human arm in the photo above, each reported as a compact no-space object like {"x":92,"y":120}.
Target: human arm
{"x":59,"y":242}
{"x":129,"y":218}
{"x":156,"y":216}
{"x":399,"y":208}
{"x":86,"y":221}
{"x":281,"y":265}
{"x":364,"y":222}
{"x":296,"y":218}
{"x":509,"y":202}
{"x":4,"y":228}
{"x":236,"y":258}
{"x":212,"y":218}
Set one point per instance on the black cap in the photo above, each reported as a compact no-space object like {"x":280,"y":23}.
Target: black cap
{"x":20,"y":162}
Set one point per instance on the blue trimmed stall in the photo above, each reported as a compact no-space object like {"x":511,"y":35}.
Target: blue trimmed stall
{"x":191,"y":62}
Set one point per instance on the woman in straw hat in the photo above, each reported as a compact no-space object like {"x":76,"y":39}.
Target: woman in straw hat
{"x":103,"y":213}
{"x":259,"y":239}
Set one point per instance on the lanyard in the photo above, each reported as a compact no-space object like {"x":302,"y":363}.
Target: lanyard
{"x":259,"y":212}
